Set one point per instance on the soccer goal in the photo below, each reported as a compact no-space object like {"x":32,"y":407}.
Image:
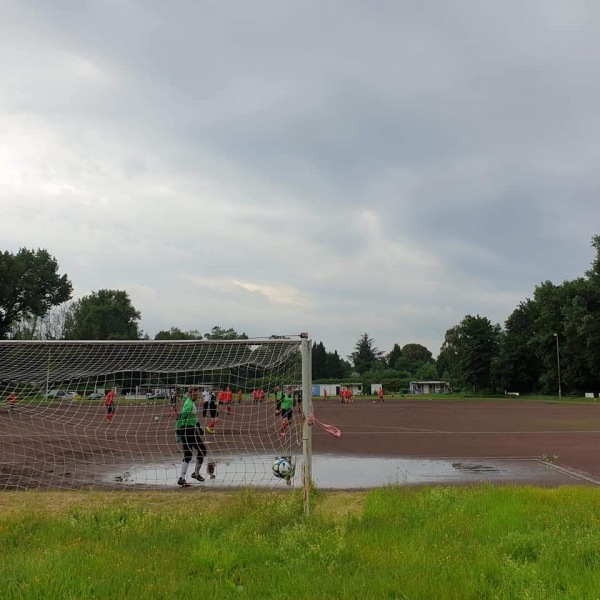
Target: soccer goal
{"x":103,"y":414}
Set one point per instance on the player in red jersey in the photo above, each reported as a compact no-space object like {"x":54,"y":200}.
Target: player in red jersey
{"x":109,"y":402}
{"x":12,"y":402}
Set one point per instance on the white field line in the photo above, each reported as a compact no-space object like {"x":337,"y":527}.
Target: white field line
{"x":573,"y":473}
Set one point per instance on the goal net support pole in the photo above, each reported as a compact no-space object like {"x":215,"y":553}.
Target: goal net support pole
{"x":306,"y":351}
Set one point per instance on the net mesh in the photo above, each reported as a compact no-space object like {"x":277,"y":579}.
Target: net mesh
{"x":56,"y":430}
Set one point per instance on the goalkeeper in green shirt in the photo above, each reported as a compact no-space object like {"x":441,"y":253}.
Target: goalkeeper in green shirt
{"x":189,"y":433}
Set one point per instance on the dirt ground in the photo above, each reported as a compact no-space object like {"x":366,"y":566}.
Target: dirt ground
{"x":71,"y":446}
{"x":447,"y":429}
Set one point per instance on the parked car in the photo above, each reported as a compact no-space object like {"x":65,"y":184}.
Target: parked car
{"x":54,"y":394}
{"x":156,"y":396}
{"x":72,"y":396}
{"x":95,"y":396}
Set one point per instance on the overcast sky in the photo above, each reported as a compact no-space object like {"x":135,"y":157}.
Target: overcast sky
{"x":277,"y":167}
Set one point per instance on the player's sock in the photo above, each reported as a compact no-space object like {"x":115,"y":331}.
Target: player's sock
{"x":184,"y":468}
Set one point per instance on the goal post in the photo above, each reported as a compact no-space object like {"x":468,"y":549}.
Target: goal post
{"x":306,"y":412}
{"x":56,"y":430}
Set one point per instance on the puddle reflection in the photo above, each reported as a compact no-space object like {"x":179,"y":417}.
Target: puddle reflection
{"x":344,"y":472}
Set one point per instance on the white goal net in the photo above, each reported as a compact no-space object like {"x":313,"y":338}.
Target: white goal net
{"x":103,"y":415}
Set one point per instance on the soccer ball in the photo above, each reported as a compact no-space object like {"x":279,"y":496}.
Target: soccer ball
{"x":282,"y":468}
{"x":156,"y":418}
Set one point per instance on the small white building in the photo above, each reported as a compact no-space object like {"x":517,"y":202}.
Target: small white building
{"x":429,"y":387}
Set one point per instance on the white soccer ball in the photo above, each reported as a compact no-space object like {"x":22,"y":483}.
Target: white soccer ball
{"x":282,"y":468}
{"x":156,"y":418}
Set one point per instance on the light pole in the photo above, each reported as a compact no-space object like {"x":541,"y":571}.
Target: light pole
{"x":558,"y":365}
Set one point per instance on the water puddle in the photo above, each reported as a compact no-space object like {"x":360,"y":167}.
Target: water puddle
{"x":348,"y":472}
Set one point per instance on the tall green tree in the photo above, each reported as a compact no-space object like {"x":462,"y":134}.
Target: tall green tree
{"x":177,"y":334}
{"x":337,"y":367}
{"x":448,"y":364}
{"x":469,"y":350}
{"x":49,"y":327}
{"x":29,"y":286}
{"x":413,"y":357}
{"x":550,"y":301}
{"x":104,"y":315}
{"x":519,"y":367}
{"x":220,"y":333}
{"x":426,"y":372}
{"x":327,"y":365}
{"x":594,"y":272}
{"x":393,"y":356}
{"x":365,"y":354}
{"x":319,"y":361}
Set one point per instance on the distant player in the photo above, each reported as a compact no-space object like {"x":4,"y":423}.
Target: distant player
{"x":228,"y":397}
{"x":12,"y":402}
{"x":297,"y":395}
{"x":173,"y":402}
{"x":109,"y":402}
{"x":209,"y":409}
{"x":239,"y":396}
{"x":380,"y":395}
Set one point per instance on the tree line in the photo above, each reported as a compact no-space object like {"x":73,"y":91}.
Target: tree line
{"x":549,"y":342}
{"x":367,"y":364}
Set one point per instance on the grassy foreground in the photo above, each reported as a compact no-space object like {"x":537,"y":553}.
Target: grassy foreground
{"x":430,"y":543}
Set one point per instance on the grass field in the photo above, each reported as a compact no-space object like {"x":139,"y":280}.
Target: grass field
{"x":428,"y":543}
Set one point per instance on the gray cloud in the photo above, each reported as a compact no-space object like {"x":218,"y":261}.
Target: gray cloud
{"x":337,"y":167}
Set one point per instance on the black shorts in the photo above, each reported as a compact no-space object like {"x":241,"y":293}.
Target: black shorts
{"x":191,"y":438}
{"x":110,"y":408}
{"x":210,"y":408}
{"x":287,"y":413}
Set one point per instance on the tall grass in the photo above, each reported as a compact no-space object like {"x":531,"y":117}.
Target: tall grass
{"x":439,"y":542}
